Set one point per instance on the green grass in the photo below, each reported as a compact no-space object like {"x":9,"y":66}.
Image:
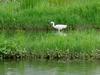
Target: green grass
{"x":74,"y":45}
{"x":37,"y":14}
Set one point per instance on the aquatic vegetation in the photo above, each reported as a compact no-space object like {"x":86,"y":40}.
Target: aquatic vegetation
{"x":29,"y":15}
{"x":75,"y":45}
{"x":37,"y":14}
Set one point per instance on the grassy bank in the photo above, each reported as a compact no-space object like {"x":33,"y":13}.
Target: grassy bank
{"x":73,"y":45}
{"x":36,"y":14}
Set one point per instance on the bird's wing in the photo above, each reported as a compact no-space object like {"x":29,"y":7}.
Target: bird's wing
{"x":61,"y":25}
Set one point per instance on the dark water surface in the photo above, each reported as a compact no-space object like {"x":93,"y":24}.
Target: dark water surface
{"x":49,"y":68}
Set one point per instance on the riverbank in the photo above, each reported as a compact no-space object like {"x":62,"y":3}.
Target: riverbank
{"x":25,"y":30}
{"x":37,"y":14}
{"x":50,"y":45}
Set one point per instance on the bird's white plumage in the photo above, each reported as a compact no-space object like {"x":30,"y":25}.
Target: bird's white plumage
{"x":59,"y":26}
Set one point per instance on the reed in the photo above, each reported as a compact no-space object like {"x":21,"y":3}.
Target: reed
{"x":37,"y":14}
{"x":75,"y":45}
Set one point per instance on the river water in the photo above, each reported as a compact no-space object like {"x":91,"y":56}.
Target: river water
{"x":49,"y":68}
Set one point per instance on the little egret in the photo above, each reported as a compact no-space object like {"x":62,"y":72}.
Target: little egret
{"x":58,"y":26}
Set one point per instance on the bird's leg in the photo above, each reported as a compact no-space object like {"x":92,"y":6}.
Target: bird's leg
{"x":59,"y":30}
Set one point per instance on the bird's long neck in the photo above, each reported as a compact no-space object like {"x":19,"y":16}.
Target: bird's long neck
{"x":53,"y":24}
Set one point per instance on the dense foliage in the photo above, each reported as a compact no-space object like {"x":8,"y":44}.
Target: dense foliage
{"x":81,"y":45}
{"x":38,"y":13}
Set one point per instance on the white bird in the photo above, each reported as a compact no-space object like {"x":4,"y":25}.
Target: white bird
{"x":58,"y":26}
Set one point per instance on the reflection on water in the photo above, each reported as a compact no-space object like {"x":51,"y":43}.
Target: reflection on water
{"x":61,"y":33}
{"x":48,"y":68}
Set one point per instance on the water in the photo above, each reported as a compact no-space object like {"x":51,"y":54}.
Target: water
{"x":48,"y":68}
